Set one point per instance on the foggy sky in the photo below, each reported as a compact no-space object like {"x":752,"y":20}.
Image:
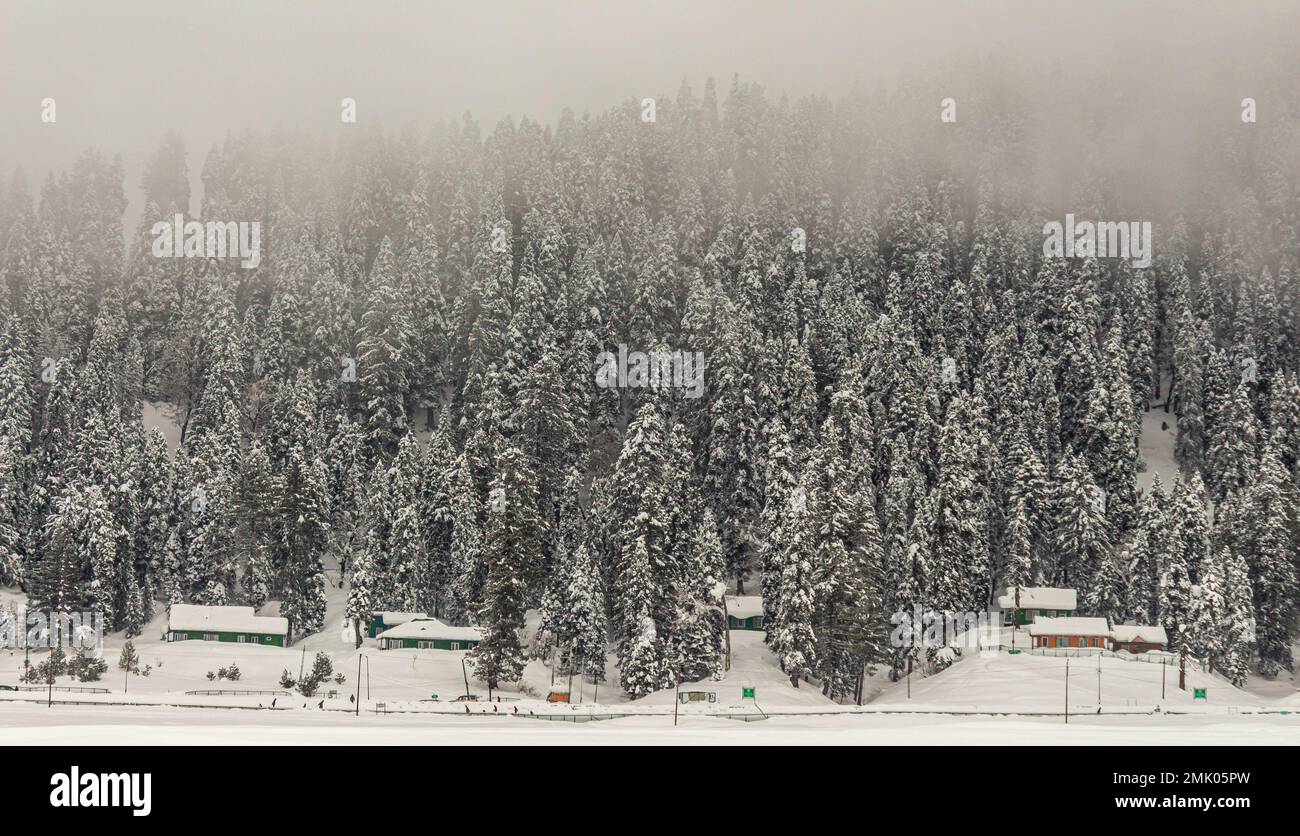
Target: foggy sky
{"x":126,"y":73}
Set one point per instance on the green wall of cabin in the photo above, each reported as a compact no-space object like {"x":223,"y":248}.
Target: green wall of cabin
{"x":198,"y":635}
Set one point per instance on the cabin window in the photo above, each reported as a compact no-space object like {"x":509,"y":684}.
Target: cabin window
{"x":1062,"y":641}
{"x":257,"y":639}
{"x":211,"y":637}
{"x":424,"y":645}
{"x":455,"y":645}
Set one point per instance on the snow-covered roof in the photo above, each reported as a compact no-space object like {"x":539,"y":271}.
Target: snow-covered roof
{"x":1154,"y":634}
{"x":431,"y":628}
{"x":392,"y":618}
{"x":744,"y":606}
{"x":1072,"y":626}
{"x":224,"y":620}
{"x":1039,"y":598}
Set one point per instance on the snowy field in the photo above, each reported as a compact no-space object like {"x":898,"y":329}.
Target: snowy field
{"x":80,"y":726}
{"x":979,"y":700}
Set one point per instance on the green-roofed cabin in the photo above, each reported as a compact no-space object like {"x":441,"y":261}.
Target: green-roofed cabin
{"x":744,"y":612}
{"x":1036,"y":602}
{"x":429,"y":634}
{"x":382,"y":620}
{"x":239,"y":625}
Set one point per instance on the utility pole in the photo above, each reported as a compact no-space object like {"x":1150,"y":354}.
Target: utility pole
{"x":1098,"y":680}
{"x":303,"y":664}
{"x":367,"y":676}
{"x":726,"y":621}
{"x":1015,"y":619}
{"x":358,"y":684}
{"x":571,"y":674}
{"x":1182,"y":668}
{"x":1164,"y":666}
{"x":909,"y":677}
{"x":1067,"y":690}
{"x":465,"y":674}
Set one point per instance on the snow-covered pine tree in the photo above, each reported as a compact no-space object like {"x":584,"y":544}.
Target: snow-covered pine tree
{"x":780,"y":487}
{"x":468,"y":571}
{"x":410,"y":586}
{"x":1207,"y":613}
{"x":1143,"y":553}
{"x":1233,"y":455}
{"x":734,"y":444}
{"x":959,"y":573}
{"x":302,"y":534}
{"x":78,"y":567}
{"x":511,"y":543}
{"x":436,"y":503}
{"x":1108,"y":589}
{"x":1018,"y":560}
{"x":1180,"y":550}
{"x":638,"y":500}
{"x":849,"y":566}
{"x":1081,"y":537}
{"x":1273,"y":572}
{"x":1188,"y":391}
{"x":384,"y":352}
{"x":795,"y":641}
{"x":361,"y":594}
{"x":703,"y":640}
{"x":1238,"y":627}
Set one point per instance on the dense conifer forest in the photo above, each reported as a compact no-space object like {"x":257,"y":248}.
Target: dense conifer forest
{"x":904,"y":401}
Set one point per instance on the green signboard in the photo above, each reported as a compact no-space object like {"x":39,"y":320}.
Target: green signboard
{"x":747,"y":693}
{"x":1198,"y":693}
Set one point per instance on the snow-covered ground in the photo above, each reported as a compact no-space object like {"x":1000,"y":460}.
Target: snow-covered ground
{"x":81,"y":726}
{"x":1026,"y":682}
{"x":1156,"y":446}
{"x":959,"y":705}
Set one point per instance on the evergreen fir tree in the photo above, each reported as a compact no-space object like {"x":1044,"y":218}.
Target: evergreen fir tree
{"x":510,"y":544}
